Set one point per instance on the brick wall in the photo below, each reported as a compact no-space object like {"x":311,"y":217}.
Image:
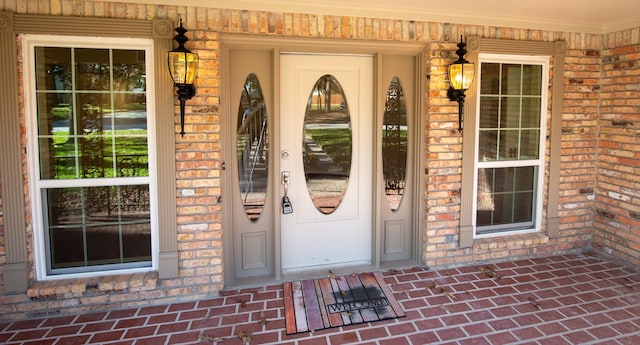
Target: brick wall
{"x":198,"y":154}
{"x":617,"y":212}
{"x":579,"y":137}
{"x":443,"y":161}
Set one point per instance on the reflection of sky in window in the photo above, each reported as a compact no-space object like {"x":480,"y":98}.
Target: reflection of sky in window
{"x":327,"y":125}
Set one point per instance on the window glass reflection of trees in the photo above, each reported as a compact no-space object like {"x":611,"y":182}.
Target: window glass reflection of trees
{"x":327,"y":144}
{"x":252,"y":148}
{"x":92,"y":124}
{"x":394,"y":144}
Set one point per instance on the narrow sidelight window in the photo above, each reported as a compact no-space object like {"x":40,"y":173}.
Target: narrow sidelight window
{"x":252,"y":148}
{"x":394,"y":144}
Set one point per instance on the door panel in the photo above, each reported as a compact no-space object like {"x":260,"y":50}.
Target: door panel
{"x":396,"y":207}
{"x":312,"y":239}
{"x":251,"y":96}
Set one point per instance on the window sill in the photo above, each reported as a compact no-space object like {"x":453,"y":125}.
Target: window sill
{"x":81,"y":287}
{"x":510,"y":242}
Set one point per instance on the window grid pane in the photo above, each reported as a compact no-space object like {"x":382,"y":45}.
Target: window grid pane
{"x":98,"y":225}
{"x":505,"y":196}
{"x":91,"y":123}
{"x":508,"y":118}
{"x":509,"y":136}
{"x":92,"y":119}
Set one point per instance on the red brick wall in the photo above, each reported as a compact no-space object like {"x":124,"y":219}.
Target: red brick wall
{"x":617,"y":211}
{"x":579,"y":138}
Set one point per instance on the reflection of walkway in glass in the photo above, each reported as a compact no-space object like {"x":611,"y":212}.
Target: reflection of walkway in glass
{"x":326,"y":192}
{"x":131,"y":119}
{"x":253,"y":204}
{"x":326,"y":180}
{"x":317,"y":161}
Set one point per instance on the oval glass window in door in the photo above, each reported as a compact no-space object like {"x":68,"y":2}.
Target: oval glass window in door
{"x":327,"y":144}
{"x":252,"y":147}
{"x":394,"y":144}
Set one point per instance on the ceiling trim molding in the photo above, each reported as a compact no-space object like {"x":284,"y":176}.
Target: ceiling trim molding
{"x":346,"y":8}
{"x":629,"y":23}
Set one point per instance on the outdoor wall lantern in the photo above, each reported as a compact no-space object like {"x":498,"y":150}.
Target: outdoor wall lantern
{"x":183,"y":67}
{"x":460,"y":77}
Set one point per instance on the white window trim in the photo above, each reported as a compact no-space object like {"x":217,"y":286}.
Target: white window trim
{"x":35,"y":184}
{"x":540,"y":162}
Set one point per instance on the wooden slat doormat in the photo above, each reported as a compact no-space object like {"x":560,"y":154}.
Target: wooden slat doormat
{"x":332,"y":302}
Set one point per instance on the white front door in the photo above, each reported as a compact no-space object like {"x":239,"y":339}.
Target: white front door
{"x":327,"y":149}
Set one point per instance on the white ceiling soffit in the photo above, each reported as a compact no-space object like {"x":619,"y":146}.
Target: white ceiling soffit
{"x":583,"y":16}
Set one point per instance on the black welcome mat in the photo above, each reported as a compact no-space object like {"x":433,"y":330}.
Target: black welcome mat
{"x":338,"y":301}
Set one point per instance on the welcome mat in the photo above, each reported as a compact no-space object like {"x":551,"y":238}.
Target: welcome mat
{"x":338,"y":301}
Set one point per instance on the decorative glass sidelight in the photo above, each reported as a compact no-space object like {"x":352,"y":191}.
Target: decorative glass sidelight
{"x":252,"y":147}
{"x":327,"y":144}
{"x":394,"y":144}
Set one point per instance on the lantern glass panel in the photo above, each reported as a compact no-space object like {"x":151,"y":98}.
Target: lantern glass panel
{"x":183,"y":67}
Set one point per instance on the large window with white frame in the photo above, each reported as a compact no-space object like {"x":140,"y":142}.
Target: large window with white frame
{"x":91,"y":141}
{"x":510,"y":147}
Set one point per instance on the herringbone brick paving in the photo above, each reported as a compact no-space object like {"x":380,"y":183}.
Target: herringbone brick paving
{"x":569,"y":299}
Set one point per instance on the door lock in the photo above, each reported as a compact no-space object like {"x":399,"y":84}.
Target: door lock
{"x":286,"y":203}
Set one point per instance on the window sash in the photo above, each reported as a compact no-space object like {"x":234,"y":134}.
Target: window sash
{"x":511,"y":159}
{"x":105,"y":228}
{"x":41,"y":185}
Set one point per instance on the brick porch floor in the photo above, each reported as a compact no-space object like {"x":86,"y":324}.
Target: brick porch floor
{"x":571,"y":299}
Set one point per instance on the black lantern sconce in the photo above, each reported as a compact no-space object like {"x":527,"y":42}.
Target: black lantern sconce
{"x":183,"y":68}
{"x":461,"y":75}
